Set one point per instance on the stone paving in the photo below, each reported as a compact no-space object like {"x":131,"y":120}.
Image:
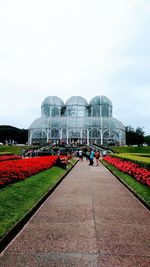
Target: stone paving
{"x":91,"y":219}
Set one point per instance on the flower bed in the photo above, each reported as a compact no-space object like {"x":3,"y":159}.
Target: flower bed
{"x":140,"y":174}
{"x":17,"y":170}
{"x":9,"y":157}
{"x":143,"y":162}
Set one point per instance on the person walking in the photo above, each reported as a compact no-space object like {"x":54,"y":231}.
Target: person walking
{"x":81,"y":155}
{"x":92,"y":157}
{"x":97,"y":156}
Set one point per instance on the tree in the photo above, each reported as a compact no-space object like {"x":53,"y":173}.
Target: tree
{"x":12,"y":133}
{"x":129,"y":135}
{"x":147,"y":140}
{"x":134,"y":136}
{"x":139,"y":135}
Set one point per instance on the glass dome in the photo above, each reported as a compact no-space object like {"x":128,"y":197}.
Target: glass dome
{"x":100,"y":100}
{"x":53,"y":101}
{"x":76,"y":106}
{"x":100,"y":106}
{"x":51,"y":106}
{"x":76,"y":101}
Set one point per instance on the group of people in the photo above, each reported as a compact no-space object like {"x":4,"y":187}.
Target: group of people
{"x":90,"y":155}
{"x":95,"y":154}
{"x":29,"y":153}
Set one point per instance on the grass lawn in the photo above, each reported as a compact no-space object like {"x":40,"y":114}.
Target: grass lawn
{"x":17,"y":199}
{"x":143,"y":191}
{"x":134,"y":156}
{"x":12,"y":149}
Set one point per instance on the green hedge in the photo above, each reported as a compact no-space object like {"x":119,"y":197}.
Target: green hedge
{"x":130,"y":149}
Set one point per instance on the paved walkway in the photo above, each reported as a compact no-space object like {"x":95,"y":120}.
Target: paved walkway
{"x":91,"y":219}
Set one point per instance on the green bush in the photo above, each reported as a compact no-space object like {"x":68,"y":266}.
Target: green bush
{"x":130,"y":149}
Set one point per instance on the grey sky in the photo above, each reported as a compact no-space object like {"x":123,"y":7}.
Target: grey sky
{"x":81,"y":47}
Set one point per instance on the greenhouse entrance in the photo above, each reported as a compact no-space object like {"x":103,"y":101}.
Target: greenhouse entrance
{"x":76,"y":136}
{"x":74,"y":140}
{"x":77,"y":141}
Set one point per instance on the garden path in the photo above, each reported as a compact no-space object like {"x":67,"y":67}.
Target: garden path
{"x":91,"y":219}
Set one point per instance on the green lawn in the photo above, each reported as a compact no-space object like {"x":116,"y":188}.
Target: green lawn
{"x":18,"y":199}
{"x":143,"y":191}
{"x":134,"y":156}
{"x":12,"y":149}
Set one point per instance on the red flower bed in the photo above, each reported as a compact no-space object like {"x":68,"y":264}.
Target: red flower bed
{"x":133,"y":169}
{"x":9,"y":157}
{"x":17,"y":170}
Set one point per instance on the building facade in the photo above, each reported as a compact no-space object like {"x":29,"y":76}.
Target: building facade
{"x":77,"y":121}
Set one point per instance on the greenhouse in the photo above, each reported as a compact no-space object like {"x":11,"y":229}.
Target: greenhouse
{"x":77,"y":121}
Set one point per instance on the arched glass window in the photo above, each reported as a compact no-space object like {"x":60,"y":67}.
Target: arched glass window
{"x":54,"y":111}
{"x":74,"y":133}
{"x":105,"y":111}
{"x":76,"y":111}
{"x":45,"y":110}
{"x":39,"y":136}
{"x":54,"y":134}
{"x":96,"y":111}
{"x":94,"y":133}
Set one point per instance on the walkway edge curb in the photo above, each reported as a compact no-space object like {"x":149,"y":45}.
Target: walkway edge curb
{"x":17,"y":228}
{"x":129,"y":188}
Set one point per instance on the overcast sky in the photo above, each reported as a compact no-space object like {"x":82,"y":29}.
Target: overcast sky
{"x":74,"y":47}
